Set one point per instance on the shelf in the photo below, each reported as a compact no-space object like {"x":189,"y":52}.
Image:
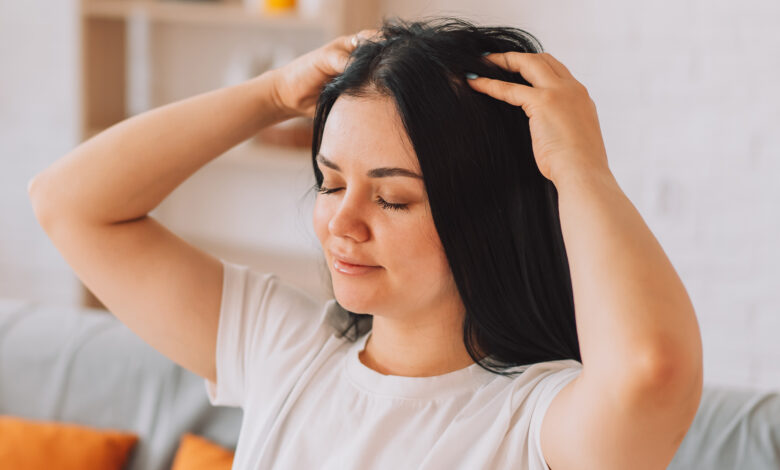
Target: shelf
{"x":228,"y":208}
{"x":198,"y":12}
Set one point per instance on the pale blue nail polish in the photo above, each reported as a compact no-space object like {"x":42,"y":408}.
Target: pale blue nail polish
{"x":485,"y":53}
{"x":471,"y":75}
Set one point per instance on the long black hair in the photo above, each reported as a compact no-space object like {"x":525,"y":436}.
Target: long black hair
{"x":495,"y":213}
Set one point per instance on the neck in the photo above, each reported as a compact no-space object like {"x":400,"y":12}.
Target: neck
{"x":418,"y":351}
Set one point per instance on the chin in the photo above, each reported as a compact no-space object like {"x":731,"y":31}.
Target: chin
{"x":354,"y":299}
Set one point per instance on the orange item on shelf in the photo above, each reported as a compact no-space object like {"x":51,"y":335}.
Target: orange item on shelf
{"x":279,"y":5}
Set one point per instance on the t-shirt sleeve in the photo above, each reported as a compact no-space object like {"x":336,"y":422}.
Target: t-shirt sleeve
{"x":547,"y":389}
{"x":268,"y":332}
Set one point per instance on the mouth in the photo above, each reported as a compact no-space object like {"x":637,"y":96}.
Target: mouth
{"x":343,"y":267}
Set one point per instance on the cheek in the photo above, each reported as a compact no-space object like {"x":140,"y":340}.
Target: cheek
{"x":420,"y":249}
{"x":437,"y":258}
{"x":321,"y":215}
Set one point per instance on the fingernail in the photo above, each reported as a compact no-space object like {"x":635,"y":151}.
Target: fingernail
{"x":485,"y":53}
{"x":471,"y":75}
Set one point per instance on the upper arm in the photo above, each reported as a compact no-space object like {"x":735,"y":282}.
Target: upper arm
{"x":164,"y":289}
{"x":590,"y":425}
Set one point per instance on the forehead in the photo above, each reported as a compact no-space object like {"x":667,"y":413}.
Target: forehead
{"x":367,"y":132}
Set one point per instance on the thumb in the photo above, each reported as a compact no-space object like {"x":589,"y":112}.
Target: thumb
{"x":338,"y":62}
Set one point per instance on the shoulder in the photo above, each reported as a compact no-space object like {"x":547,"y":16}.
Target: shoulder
{"x":529,"y":396}
{"x":531,"y":392}
{"x":533,"y":386}
{"x":543,"y":378}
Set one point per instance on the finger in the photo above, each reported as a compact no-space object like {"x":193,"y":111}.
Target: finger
{"x":345,"y":42}
{"x":556,"y":65}
{"x":533,"y":68}
{"x":513,"y":93}
{"x":367,"y":33}
{"x":338,"y":62}
{"x":350,"y":42}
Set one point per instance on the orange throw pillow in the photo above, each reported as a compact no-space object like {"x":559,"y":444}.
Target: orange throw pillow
{"x":198,"y":453}
{"x":31,"y":445}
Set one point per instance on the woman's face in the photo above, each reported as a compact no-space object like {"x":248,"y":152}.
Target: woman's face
{"x":410,"y":273}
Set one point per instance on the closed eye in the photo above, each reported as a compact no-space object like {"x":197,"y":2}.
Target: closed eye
{"x":390,"y":205}
{"x":384,"y":204}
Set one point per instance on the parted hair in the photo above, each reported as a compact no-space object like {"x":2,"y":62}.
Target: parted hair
{"x":495,"y":213}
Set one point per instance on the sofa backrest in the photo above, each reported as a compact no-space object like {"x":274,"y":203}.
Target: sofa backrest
{"x":733,"y":429}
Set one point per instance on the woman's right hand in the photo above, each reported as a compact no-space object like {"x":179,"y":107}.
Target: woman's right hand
{"x":298,"y":84}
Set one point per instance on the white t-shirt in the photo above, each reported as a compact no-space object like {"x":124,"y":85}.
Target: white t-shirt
{"x":308,"y":402}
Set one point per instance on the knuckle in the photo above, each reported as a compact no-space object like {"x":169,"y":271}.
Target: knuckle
{"x":515,"y":98}
{"x":547,"y":96}
{"x":507,"y":59}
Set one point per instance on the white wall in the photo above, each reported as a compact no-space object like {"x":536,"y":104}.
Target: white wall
{"x":38,"y":105}
{"x":687,"y":98}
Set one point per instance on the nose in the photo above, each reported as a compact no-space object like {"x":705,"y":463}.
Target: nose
{"x":348,"y":220}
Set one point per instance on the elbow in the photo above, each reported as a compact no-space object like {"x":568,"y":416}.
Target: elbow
{"x":33,"y":186}
{"x":37,"y":199}
{"x":30,"y":185}
{"x":672,"y":379}
{"x":32,"y":191}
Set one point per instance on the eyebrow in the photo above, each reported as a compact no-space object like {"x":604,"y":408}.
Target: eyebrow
{"x":375,"y":173}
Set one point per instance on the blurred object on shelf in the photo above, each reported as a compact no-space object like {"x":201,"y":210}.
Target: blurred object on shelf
{"x":309,"y":8}
{"x":296,"y":132}
{"x":270,"y":6}
{"x":245,"y":65}
{"x":275,"y":6}
{"x":282,"y":54}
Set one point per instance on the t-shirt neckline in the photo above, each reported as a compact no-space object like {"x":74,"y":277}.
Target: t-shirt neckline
{"x":468,"y":378}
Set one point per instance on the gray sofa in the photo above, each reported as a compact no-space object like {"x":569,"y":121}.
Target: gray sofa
{"x":83,"y":366}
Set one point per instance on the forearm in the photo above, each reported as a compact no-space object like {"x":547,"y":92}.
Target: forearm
{"x":127,"y":170}
{"x":631,"y":307}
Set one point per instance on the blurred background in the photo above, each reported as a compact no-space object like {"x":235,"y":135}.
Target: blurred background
{"x":686,"y":93}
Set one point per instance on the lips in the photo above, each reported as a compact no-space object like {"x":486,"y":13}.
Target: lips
{"x":351,"y":261}
{"x":351,"y":266}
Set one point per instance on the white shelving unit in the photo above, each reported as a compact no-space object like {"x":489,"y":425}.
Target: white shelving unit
{"x":249,"y":205}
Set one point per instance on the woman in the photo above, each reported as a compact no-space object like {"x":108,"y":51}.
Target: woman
{"x":441,"y":173}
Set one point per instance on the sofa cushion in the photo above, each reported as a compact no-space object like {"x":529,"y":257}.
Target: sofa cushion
{"x":26,"y":443}
{"x":198,"y":453}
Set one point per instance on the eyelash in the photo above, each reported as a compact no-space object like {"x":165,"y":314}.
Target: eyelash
{"x":380,"y":201}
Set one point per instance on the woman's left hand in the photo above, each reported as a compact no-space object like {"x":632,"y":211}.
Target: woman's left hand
{"x":564,"y":126}
{"x":299,"y":83}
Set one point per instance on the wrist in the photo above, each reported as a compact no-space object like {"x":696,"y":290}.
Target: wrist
{"x":267,"y":87}
{"x":577,"y":175}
